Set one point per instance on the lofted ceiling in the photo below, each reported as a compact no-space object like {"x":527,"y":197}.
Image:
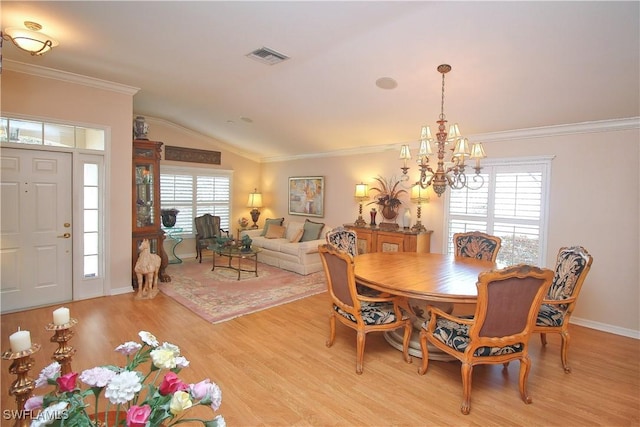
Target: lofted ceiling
{"x":516,"y":65}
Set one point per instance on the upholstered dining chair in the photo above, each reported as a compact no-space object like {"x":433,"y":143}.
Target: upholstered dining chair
{"x":207,"y":229}
{"x":477,"y":245}
{"x":362,"y":313}
{"x":347,"y":240}
{"x":572,"y":266}
{"x":499,"y":332}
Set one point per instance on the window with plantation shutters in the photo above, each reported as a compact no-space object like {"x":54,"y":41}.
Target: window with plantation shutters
{"x":194,"y":192}
{"x":512,"y":204}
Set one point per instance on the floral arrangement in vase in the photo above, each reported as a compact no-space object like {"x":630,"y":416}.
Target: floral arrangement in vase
{"x":131,"y":398}
{"x":387,"y":198}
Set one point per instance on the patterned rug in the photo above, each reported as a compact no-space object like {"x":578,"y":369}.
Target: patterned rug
{"x":218,"y":296}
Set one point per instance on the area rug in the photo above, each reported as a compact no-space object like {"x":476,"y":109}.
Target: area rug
{"x":218,"y":296}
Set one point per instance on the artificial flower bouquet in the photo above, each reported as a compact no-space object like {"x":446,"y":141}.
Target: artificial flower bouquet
{"x":137,"y":400}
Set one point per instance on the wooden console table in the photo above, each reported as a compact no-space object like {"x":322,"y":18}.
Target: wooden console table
{"x":374,"y":239}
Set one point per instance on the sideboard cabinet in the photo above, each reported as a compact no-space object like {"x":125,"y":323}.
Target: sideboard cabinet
{"x":146,"y":222}
{"x":373,"y":239}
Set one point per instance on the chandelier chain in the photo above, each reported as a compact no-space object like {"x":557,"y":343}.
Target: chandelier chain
{"x":442,"y":116}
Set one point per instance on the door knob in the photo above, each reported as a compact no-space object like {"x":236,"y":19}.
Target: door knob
{"x":65,"y":236}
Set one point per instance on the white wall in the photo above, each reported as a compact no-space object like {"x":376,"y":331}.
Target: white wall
{"x":595,"y":193}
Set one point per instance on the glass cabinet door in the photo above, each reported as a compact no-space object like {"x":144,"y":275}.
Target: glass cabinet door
{"x":145,"y":203}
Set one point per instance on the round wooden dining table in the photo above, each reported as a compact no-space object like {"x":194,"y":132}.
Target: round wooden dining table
{"x":424,"y":278}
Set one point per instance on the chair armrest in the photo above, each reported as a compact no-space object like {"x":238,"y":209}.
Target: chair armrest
{"x":559,"y":301}
{"x":436,"y":312}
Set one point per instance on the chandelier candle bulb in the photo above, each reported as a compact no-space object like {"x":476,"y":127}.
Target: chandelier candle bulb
{"x":20,"y":341}
{"x":61,"y":316}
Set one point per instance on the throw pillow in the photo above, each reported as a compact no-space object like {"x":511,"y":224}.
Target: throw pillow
{"x":275,"y":232}
{"x":268,"y":222}
{"x":296,"y":237}
{"x":312,"y":230}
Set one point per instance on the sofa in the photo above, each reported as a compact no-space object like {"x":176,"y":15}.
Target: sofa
{"x":292,"y":246}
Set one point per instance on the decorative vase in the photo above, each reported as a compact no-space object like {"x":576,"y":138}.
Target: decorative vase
{"x":406,"y":218}
{"x":389,"y":213}
{"x":373,"y":214}
{"x":140,"y":128}
{"x":169,"y":217}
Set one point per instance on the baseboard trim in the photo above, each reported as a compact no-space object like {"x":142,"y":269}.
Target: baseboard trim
{"x":604,"y":327}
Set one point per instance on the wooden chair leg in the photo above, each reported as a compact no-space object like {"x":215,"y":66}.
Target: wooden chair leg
{"x":425,"y":353}
{"x":543,"y":338}
{"x":525,"y":366}
{"x":332,"y":329}
{"x":360,"y":341}
{"x":564,"y":348}
{"x":466,"y":371}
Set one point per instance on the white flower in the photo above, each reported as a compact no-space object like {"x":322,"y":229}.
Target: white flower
{"x":219,"y":421}
{"x":97,"y":377}
{"x":123,"y":387}
{"x":50,"y":415}
{"x":128,"y":348}
{"x":148,"y":338}
{"x":181,"y":362}
{"x":49,"y":372}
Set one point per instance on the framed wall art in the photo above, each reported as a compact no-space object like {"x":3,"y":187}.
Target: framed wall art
{"x":306,"y":195}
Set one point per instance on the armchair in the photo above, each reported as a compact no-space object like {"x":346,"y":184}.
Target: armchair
{"x":572,"y":266}
{"x":499,"y":332}
{"x":359,"y":312}
{"x":207,"y":229}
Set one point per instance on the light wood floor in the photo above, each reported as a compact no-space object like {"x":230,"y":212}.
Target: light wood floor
{"x":274,"y":369}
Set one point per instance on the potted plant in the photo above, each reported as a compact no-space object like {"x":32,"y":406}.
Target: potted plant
{"x":387,"y":198}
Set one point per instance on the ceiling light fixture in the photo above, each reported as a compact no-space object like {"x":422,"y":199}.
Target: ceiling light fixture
{"x":453,"y":175}
{"x":30,"y":39}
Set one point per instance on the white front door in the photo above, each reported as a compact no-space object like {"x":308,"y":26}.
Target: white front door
{"x":35,"y":228}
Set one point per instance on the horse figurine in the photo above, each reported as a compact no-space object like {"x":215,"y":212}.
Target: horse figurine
{"x":146,"y":269}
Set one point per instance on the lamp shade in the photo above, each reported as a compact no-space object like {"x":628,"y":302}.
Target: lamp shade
{"x":362,"y":191}
{"x":419,"y":194}
{"x":255,"y":200}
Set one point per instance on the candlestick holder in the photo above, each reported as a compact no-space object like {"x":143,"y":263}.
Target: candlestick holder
{"x":23,"y":386}
{"x":64,"y":353}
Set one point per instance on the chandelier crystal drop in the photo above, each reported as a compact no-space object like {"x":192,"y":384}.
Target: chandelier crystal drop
{"x":451,"y":173}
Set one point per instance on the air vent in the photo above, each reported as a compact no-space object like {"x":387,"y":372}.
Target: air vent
{"x":267,"y":56}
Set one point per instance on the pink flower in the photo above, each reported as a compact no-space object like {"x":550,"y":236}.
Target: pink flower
{"x":33,"y":403}
{"x":207,"y":392}
{"x":137,"y":416}
{"x":171,"y":383}
{"x":67,"y":382}
{"x":199,"y":390}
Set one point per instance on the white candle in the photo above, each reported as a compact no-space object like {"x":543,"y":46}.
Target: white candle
{"x":20,"y":341}
{"x":61,"y":316}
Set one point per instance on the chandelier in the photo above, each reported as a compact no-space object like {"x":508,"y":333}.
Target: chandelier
{"x":451,"y":173}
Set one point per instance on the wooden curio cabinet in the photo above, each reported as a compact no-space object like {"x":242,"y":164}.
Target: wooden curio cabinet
{"x":146,"y":204}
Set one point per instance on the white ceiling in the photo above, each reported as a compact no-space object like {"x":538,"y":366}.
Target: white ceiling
{"x":516,"y":65}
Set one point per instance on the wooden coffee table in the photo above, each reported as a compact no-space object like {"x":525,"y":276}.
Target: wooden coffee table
{"x":238,"y":253}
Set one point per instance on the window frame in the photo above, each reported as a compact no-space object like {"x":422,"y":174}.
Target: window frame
{"x":196,"y":172}
{"x":493,"y":167}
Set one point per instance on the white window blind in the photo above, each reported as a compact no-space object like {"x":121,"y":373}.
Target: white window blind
{"x":512,"y":205}
{"x":194,"y":192}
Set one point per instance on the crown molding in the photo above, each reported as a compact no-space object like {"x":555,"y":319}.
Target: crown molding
{"x":50,"y":73}
{"x":517,"y":134}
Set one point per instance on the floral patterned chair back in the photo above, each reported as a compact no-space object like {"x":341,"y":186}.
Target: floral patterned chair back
{"x":476,"y":245}
{"x":344,"y":240}
{"x":572,"y":266}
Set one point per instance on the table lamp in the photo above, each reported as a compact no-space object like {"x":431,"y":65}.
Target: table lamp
{"x":361,"y":195}
{"x":255,"y":202}
{"x":419,"y":195}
